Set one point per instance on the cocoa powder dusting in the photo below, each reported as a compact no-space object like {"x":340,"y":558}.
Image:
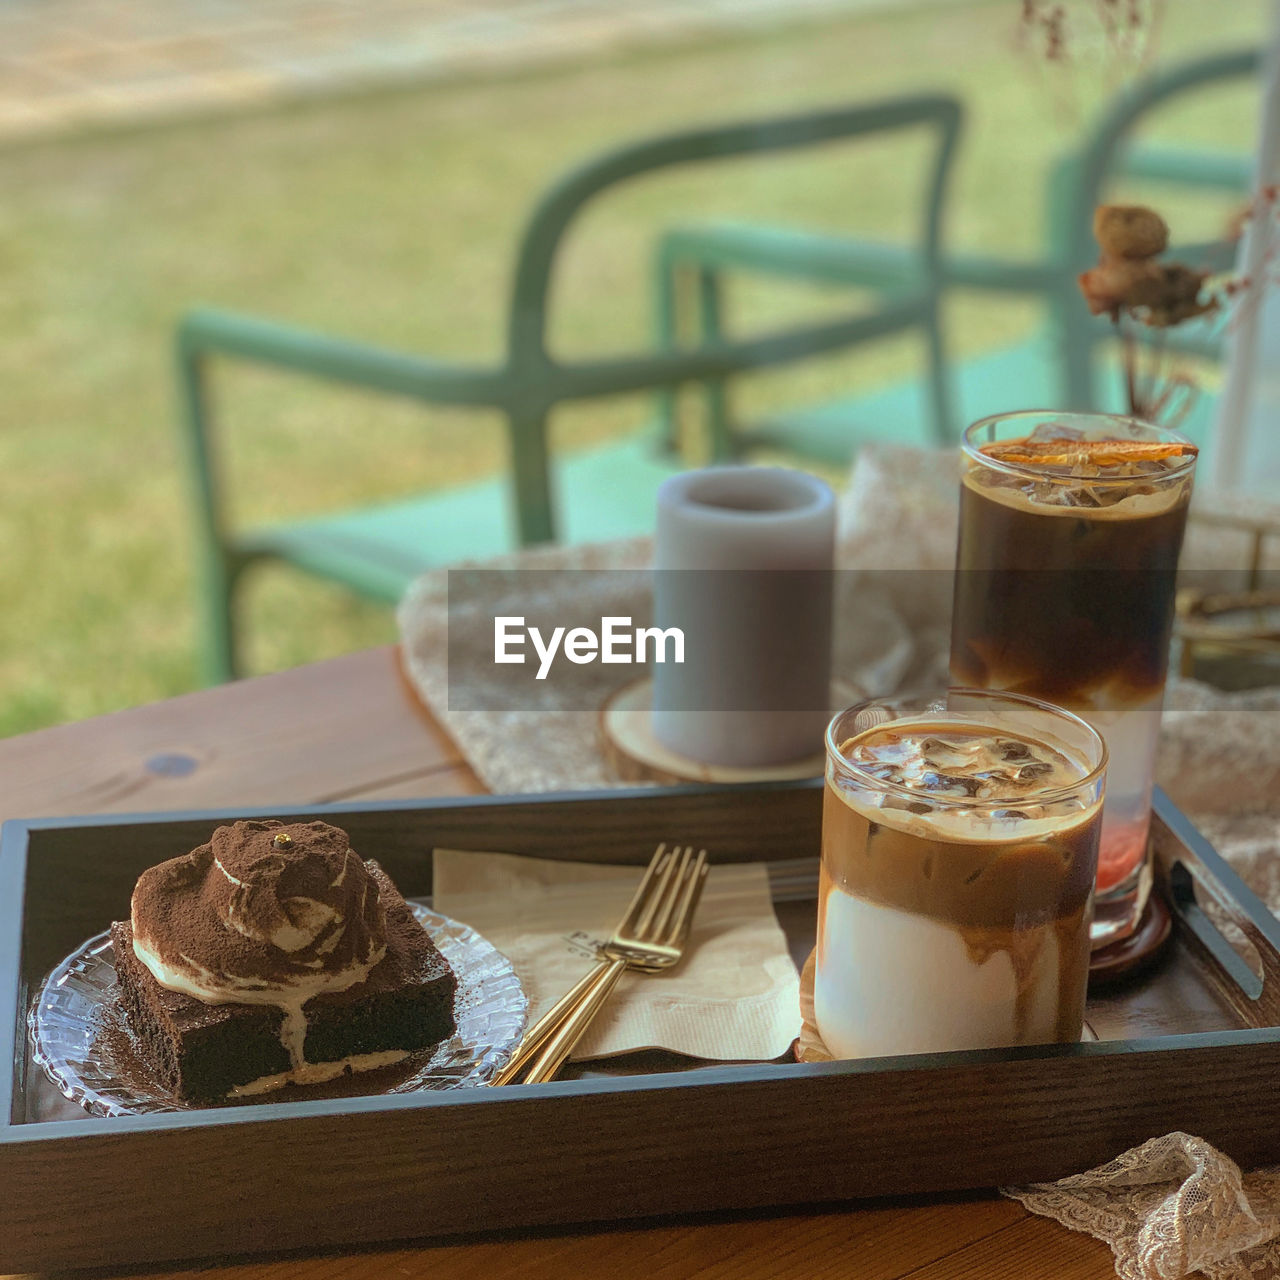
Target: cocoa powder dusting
{"x":248,"y":908}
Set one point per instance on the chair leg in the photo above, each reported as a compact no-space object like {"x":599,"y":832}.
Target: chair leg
{"x":715,"y":392}
{"x":1075,"y":344}
{"x":667,"y":315}
{"x":219,"y":658}
{"x":217,"y":571}
{"x":941,"y":406}
{"x":531,"y":475}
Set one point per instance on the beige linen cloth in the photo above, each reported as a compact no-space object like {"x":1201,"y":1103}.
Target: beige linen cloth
{"x":1170,"y":1206}
{"x":734,"y":997}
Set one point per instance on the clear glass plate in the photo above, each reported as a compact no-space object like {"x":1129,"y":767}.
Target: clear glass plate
{"x":76,"y":1008}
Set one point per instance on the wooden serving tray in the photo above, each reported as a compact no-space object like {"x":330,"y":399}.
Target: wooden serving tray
{"x":1194,"y":1047}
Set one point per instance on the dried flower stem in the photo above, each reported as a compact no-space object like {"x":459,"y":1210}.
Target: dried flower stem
{"x":1130,"y":357}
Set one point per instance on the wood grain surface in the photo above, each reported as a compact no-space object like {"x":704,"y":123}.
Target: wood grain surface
{"x":350,"y":729}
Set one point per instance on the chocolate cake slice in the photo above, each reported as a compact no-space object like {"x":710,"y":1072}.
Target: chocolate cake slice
{"x":203,"y":1050}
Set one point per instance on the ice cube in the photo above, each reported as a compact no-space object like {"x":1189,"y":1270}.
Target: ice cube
{"x":1030,"y":772}
{"x":1058,"y":494}
{"x":885,"y":770}
{"x":1087,"y":496}
{"x":1007,"y":777}
{"x":949,"y":754}
{"x":1049,"y":431}
{"x":1083,"y":469}
{"x":932,"y":780}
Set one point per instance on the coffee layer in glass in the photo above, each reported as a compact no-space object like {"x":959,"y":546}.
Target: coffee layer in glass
{"x":959,"y":850}
{"x":1065,"y":590}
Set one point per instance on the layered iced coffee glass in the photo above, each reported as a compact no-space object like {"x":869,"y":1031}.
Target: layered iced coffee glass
{"x":1070,"y":529}
{"x":959,"y":851}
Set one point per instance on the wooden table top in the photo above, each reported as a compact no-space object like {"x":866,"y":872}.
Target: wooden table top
{"x":352,"y":729}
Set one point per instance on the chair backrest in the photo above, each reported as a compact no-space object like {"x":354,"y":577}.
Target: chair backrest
{"x":551,"y":219}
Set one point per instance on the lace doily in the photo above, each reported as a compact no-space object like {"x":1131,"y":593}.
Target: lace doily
{"x":1172,"y":1206}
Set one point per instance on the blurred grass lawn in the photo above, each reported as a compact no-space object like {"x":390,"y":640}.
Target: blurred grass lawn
{"x":392,"y":218}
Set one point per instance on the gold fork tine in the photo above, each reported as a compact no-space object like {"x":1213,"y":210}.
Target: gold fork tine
{"x":650,"y":938}
{"x":678,"y":893}
{"x":666,"y":880}
{"x":658,"y":865}
{"x":662,"y":919}
{"x":689,"y":901}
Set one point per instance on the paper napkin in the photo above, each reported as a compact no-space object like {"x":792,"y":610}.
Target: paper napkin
{"x":734,"y":997}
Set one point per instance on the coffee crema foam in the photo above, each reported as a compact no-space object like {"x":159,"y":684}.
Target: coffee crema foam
{"x":1062,"y":492}
{"x":995,"y":775}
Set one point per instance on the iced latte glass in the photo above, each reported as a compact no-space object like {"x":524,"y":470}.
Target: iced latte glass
{"x":959,"y":850}
{"x":1070,"y":529}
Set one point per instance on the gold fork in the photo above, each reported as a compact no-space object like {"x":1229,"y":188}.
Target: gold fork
{"x":650,"y":937}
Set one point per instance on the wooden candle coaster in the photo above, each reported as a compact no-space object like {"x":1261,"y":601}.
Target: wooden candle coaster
{"x":636,"y":755}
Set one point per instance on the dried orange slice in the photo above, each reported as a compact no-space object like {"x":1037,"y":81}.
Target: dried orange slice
{"x":1065,"y":452}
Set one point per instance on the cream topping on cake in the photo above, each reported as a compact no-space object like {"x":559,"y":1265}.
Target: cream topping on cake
{"x":320,"y":1072}
{"x":265,"y":913}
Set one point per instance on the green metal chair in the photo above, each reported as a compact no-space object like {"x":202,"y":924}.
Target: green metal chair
{"x":1059,"y":365}
{"x":602,"y":492}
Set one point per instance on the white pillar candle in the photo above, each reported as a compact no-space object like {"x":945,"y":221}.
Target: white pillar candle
{"x":743,"y":566}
